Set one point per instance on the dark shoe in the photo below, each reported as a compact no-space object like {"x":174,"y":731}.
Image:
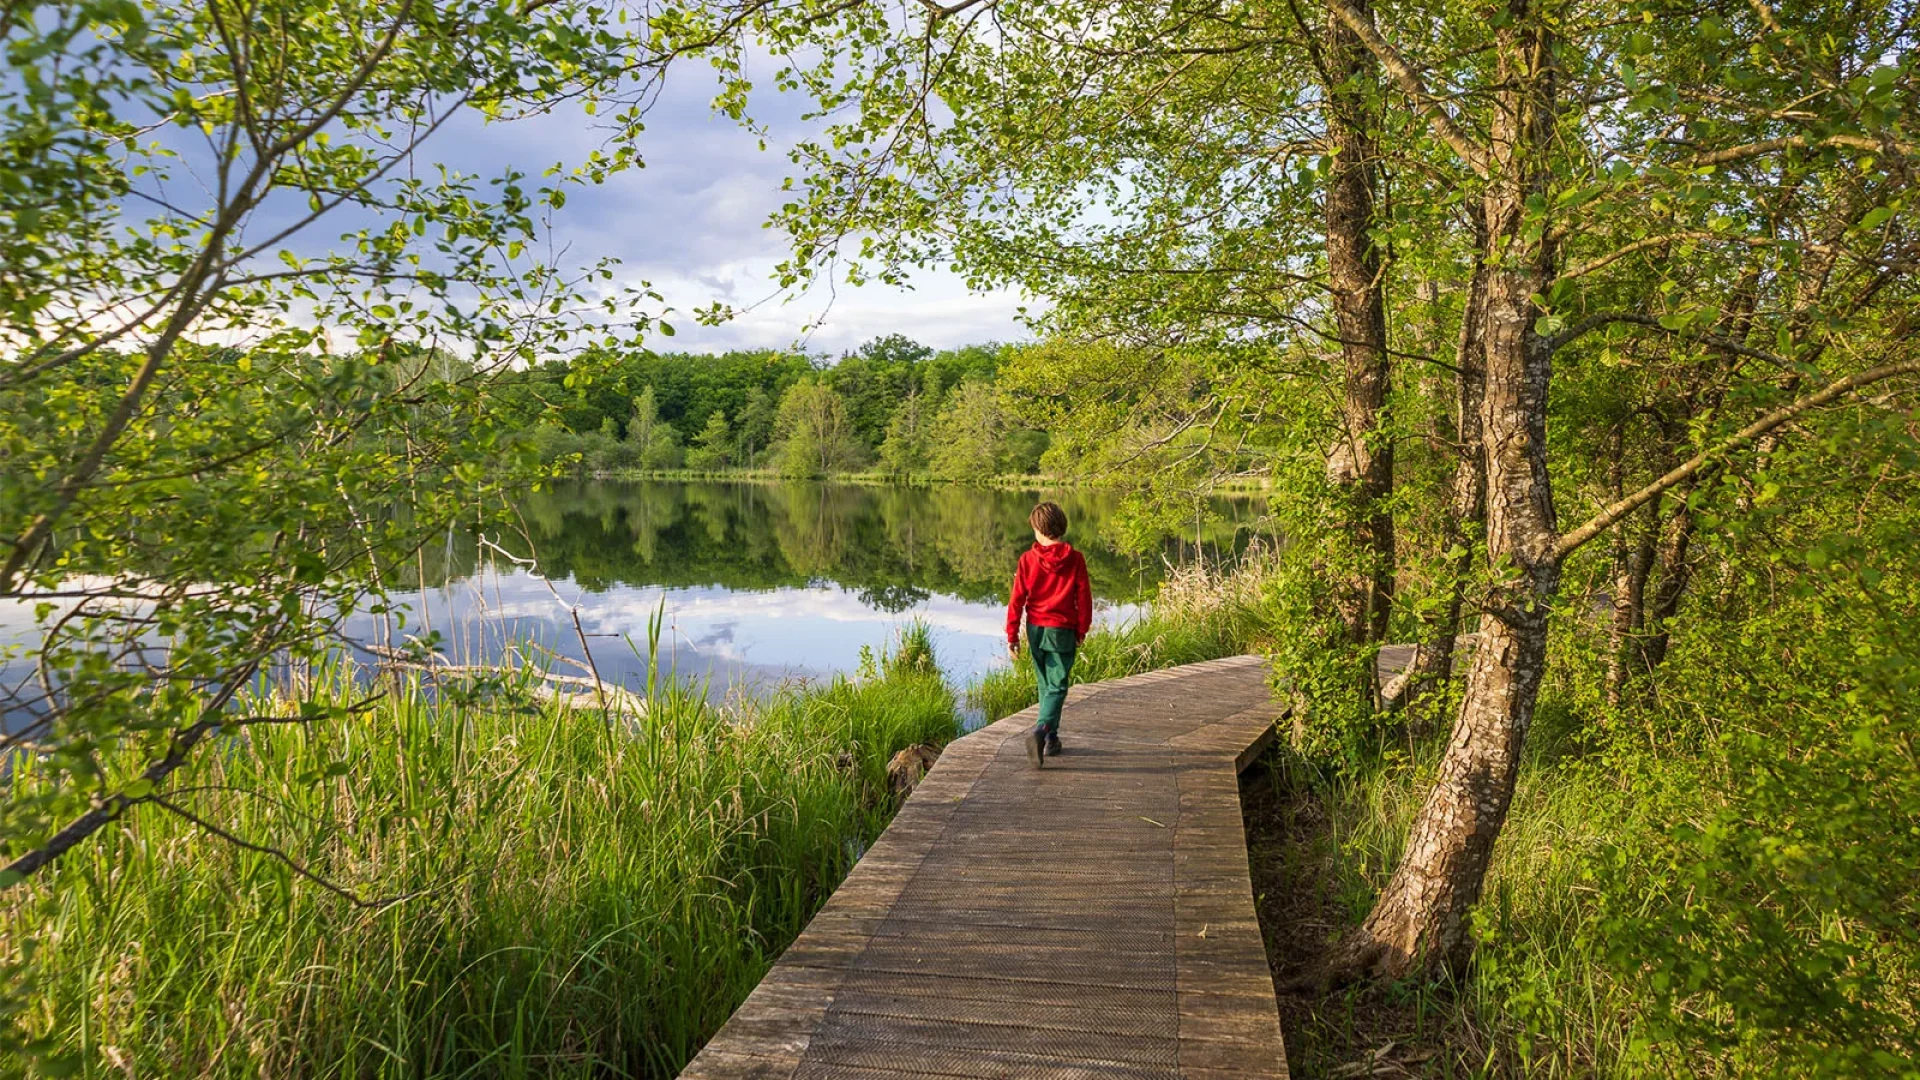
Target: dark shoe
{"x":1053,"y":746}
{"x":1037,"y":749}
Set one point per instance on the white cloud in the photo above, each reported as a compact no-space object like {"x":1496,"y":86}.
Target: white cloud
{"x":692,"y":223}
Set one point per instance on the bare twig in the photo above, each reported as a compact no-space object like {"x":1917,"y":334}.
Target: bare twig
{"x":279,"y":856}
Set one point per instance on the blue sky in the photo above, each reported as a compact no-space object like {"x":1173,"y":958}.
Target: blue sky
{"x":692,"y":224}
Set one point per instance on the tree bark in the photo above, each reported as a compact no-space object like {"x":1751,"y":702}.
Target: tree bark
{"x":1420,"y":920}
{"x":1433,"y":654}
{"x":1676,"y":572}
{"x":1361,"y":461}
{"x":1632,"y":561}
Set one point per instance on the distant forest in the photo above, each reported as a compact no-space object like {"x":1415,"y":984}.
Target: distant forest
{"x":893,"y":406}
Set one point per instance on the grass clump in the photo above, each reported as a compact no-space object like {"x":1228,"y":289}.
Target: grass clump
{"x":569,"y":896}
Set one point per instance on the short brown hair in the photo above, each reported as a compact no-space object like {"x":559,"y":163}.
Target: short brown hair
{"x":1048,"y":520}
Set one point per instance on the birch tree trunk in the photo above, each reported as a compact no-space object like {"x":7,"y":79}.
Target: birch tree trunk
{"x":1361,"y":460}
{"x":1466,"y":510}
{"x":1420,"y":920}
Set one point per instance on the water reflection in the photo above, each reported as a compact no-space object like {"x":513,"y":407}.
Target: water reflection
{"x":951,"y":540}
{"x":761,"y":582}
{"x":757,"y":583}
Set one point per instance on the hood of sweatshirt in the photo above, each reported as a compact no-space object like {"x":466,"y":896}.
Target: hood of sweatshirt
{"x":1053,"y":556}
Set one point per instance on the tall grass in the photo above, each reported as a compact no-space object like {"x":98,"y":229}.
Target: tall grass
{"x":1200,"y":613}
{"x":568,"y":897}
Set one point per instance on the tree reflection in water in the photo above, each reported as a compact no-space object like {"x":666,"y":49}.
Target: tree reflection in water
{"x":765,"y":581}
{"x":893,"y":545}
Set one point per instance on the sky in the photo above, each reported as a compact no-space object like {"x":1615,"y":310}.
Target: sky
{"x":692,"y":224}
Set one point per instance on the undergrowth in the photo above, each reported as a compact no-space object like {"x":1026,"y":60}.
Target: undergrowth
{"x":1713,"y":878}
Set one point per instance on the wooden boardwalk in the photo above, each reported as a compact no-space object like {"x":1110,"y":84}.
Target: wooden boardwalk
{"x":1090,"y":919}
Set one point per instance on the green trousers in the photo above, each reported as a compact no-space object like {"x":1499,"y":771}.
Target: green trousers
{"x":1052,"y":648}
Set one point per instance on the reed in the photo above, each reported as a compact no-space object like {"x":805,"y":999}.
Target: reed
{"x":543,"y":892}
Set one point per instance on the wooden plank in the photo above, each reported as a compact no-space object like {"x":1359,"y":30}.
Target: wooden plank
{"x":1094,"y":918}
{"x":719,"y":1062}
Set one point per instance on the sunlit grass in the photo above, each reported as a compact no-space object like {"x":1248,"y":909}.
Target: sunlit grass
{"x":1534,"y":1002}
{"x":570,"y":897}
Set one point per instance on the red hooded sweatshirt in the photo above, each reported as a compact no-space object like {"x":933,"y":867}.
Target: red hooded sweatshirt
{"x":1050,"y":588}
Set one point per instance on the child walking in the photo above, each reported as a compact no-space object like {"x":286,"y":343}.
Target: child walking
{"x":1051,"y":591}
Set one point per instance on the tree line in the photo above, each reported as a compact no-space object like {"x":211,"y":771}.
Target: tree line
{"x":892,"y":405}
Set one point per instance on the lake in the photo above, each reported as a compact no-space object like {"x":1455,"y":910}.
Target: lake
{"x":764,"y":583}
{"x":757,"y":583}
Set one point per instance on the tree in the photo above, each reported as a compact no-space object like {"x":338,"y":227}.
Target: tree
{"x":713,"y":447}
{"x":905,"y":451}
{"x":969,"y":434}
{"x":757,"y":419}
{"x":605,"y":451}
{"x":811,"y":433}
{"x":874,"y":380}
{"x":949,"y":368}
{"x":1361,"y":461}
{"x":655,"y":443}
{"x":1421,"y":917}
{"x":1464,"y":518}
{"x":186,"y":515}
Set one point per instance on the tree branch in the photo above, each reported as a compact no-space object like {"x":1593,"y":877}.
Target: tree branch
{"x":937,"y":12}
{"x":111,"y":807}
{"x":1570,"y":542}
{"x":279,"y":856}
{"x":1599,"y":319}
{"x":1415,"y":87}
{"x":1746,"y":151}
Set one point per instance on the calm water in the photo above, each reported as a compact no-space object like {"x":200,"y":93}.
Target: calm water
{"x":757,"y":583}
{"x":760,"y":583}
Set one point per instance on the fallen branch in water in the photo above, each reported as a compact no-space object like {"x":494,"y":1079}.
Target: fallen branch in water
{"x":597,"y":694}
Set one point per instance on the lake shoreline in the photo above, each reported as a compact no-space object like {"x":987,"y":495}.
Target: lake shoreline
{"x":1038,"y":482}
